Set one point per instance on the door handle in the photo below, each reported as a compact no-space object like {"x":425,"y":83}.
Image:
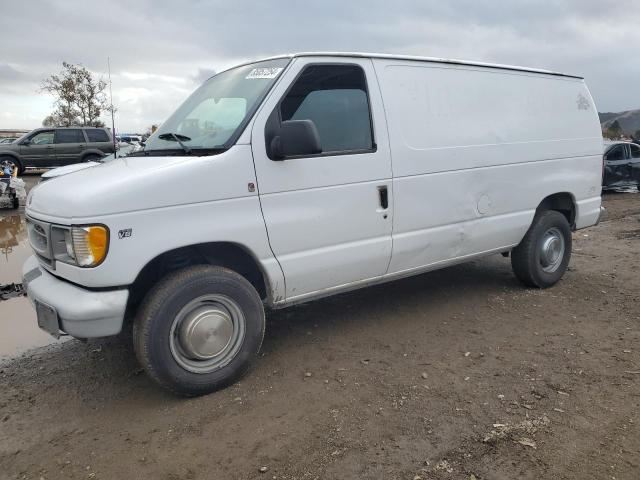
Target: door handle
{"x":383,"y":195}
{"x":49,"y":148}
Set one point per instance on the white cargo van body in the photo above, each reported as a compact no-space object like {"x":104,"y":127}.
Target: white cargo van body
{"x":305,"y":175}
{"x":475,"y":150}
{"x":472,"y":149}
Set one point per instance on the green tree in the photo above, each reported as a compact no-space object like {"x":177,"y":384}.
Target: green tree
{"x":79,"y":96}
{"x":613,"y":131}
{"x":615,"y":127}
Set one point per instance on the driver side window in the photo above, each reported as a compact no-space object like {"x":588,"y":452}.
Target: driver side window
{"x":335,"y":98}
{"x":42,"y":138}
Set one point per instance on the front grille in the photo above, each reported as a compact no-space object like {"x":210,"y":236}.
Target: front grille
{"x":39,"y":239}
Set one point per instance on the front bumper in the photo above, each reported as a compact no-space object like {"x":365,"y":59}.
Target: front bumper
{"x":82,"y":313}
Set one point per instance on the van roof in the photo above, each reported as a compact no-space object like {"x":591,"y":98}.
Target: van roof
{"x":422,"y":59}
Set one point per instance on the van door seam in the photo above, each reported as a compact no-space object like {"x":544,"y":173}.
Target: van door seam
{"x":266,"y":229}
{"x":393,"y":198}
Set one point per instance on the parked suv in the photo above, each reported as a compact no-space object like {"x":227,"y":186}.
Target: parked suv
{"x":54,"y":147}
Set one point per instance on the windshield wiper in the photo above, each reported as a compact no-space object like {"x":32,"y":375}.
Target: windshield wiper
{"x":176,"y":137}
{"x":160,"y":152}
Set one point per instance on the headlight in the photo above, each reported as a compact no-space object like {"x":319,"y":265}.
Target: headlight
{"x":83,"y":246}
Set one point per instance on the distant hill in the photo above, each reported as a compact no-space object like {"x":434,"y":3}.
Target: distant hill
{"x":629,"y":121}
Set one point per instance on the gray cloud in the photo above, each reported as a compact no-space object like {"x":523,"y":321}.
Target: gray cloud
{"x":203,"y":74}
{"x":160,"y":50}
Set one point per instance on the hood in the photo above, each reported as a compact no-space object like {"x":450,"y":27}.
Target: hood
{"x":56,"y":172}
{"x":139,"y":183}
{"x":13,"y":147}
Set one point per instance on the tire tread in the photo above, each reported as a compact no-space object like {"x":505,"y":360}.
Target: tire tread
{"x":152,"y":304}
{"x":523,"y":257}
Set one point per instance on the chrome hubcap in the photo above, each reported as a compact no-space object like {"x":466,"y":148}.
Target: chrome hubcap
{"x":5,"y":163}
{"x":207,"y":333}
{"x":551,"y":250}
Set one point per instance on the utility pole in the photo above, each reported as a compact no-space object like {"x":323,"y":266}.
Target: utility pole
{"x":113,"y":121}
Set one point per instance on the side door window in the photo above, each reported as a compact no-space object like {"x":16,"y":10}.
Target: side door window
{"x":69,"y":135}
{"x":96,"y":135}
{"x":42,"y":138}
{"x":335,"y":99}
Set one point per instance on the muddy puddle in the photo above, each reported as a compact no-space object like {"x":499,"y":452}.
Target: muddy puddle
{"x":18,"y":327}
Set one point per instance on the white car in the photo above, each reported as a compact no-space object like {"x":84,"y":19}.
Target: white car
{"x":301,"y":176}
{"x":129,"y":139}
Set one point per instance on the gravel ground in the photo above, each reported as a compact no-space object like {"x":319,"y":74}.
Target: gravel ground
{"x":456,"y":374}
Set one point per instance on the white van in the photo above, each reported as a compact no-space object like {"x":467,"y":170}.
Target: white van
{"x":303,"y":176}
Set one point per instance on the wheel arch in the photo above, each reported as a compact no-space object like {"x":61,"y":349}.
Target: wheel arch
{"x":92,"y":152}
{"x":231,"y":255}
{"x":563,"y":202}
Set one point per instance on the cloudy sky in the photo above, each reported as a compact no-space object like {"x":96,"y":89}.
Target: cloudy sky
{"x":161,"y":50}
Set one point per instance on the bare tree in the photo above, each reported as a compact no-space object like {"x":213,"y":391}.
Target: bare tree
{"x":79,"y":97}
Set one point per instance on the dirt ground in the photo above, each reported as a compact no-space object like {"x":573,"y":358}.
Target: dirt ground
{"x":456,"y":374}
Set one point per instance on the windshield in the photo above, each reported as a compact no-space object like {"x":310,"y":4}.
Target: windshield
{"x":212,"y":115}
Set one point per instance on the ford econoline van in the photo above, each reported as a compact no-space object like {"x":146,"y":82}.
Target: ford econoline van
{"x":301,"y":176}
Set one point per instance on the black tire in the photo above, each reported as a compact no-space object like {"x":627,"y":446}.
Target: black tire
{"x":529,"y":263}
{"x":91,"y":158}
{"x":13,"y":161}
{"x":156,"y":338}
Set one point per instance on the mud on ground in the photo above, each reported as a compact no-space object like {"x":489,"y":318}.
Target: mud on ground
{"x":454,"y":374}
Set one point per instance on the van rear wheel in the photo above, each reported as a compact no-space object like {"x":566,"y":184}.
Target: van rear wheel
{"x":199,"y":329}
{"x":543,"y":255}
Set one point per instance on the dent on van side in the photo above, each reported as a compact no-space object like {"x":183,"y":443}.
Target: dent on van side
{"x":296,"y":177}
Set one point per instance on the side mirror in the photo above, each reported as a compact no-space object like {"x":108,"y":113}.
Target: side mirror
{"x":26,"y":142}
{"x":296,"y":137}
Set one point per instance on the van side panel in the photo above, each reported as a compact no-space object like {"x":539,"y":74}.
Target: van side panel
{"x":474,"y":152}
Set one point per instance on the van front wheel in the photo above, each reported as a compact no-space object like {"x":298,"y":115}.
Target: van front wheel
{"x":543,"y":255}
{"x":199,"y":329}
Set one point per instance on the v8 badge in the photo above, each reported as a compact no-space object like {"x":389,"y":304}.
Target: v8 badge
{"x":124,"y":233}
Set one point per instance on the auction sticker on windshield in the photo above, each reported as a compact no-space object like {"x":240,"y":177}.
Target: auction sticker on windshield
{"x":264,"y":73}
